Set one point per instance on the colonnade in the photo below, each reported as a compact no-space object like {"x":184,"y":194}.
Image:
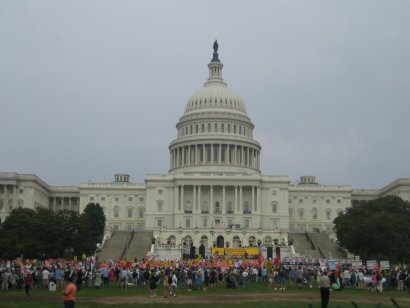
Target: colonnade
{"x":64,"y":203}
{"x":201,"y":199}
{"x":201,"y":154}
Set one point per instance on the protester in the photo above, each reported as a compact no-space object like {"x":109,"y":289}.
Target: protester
{"x":69,"y":293}
{"x":28,"y":282}
{"x":324,"y":285}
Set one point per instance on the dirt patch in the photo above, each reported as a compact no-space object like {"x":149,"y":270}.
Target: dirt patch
{"x":252,"y":297}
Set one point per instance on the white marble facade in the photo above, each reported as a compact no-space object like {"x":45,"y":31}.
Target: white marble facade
{"x":214,"y":192}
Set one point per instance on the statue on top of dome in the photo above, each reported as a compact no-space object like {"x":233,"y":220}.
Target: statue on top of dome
{"x":216,"y":46}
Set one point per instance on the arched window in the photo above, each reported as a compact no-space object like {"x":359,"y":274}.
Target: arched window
{"x":236,"y":241}
{"x":172,"y":240}
{"x":252,"y":241}
{"x":187,"y":240}
{"x":268,"y":241}
{"x":116,"y":211}
{"x":204,"y":240}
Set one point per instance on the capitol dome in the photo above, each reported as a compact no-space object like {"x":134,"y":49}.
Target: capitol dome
{"x":215,"y":133}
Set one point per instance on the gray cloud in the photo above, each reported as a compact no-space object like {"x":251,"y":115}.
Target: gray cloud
{"x":91,"y":88}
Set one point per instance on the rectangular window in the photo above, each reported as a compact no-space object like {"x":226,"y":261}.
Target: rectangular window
{"x":339,"y":201}
{"x":91,"y":198}
{"x":115,"y":227}
{"x":274,"y":207}
{"x":187,"y":223}
{"x":274,"y":224}
{"x":129,"y":213}
{"x":102,"y":198}
{"x":204,"y":222}
{"x":327,"y":201}
{"x":129,"y":198}
{"x":300,"y":200}
{"x":141,"y":213}
{"x":246,"y":223}
{"x":159,"y":223}
{"x":159,"y":207}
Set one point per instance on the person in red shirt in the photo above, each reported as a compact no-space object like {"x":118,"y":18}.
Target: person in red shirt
{"x":28,"y":282}
{"x":69,"y":294}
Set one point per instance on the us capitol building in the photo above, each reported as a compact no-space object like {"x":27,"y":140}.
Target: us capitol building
{"x":214,"y":192}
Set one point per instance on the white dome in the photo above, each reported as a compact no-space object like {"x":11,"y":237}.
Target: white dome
{"x":215,"y":133}
{"x":215,"y":96}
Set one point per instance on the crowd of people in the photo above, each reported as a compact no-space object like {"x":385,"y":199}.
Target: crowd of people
{"x":194,"y":275}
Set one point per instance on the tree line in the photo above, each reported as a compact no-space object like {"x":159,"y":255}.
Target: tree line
{"x":377,"y":229}
{"x":42,"y":233}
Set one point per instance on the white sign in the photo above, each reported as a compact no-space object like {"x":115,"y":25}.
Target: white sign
{"x":371,"y":264}
{"x":384,"y":265}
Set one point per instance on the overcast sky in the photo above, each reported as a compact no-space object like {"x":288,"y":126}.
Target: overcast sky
{"x":93,"y":88}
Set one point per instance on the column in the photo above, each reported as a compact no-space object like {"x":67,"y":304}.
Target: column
{"x":183,"y":156}
{"x":234,"y":154}
{"x":258,"y":198}
{"x":220,"y":154}
{"x":199,"y":197}
{"x":211,"y":209}
{"x":212,"y":153}
{"x":223,"y":199}
{"x":194,"y":207}
{"x":204,"y":158}
{"x":196,"y":154}
{"x":242,"y":157}
{"x":176,"y":201}
{"x":182,"y":197}
{"x":240,"y":199}
{"x":236,"y":199}
{"x":253,"y":208}
{"x":227,"y":156}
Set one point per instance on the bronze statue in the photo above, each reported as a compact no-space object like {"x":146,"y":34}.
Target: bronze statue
{"x":216,"y":46}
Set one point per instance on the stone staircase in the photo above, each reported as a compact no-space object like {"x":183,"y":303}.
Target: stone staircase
{"x":327,"y":248}
{"x":303,"y":246}
{"x":115,"y":246}
{"x":139,"y":245}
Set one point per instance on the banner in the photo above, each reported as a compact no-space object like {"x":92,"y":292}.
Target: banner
{"x":251,"y":252}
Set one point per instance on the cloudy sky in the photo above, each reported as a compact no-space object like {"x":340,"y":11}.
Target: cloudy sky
{"x":92,"y":88}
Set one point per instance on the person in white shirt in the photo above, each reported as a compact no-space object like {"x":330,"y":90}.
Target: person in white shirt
{"x":174,"y":285}
{"x":45,"y":275}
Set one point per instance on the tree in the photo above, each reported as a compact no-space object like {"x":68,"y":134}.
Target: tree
{"x":18,"y":236}
{"x":376,"y":229}
{"x":91,"y":228}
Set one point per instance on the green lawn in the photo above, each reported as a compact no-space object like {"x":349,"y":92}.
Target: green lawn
{"x":44,"y":298}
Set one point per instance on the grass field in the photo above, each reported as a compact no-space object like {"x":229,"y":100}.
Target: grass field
{"x":256,"y":296}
